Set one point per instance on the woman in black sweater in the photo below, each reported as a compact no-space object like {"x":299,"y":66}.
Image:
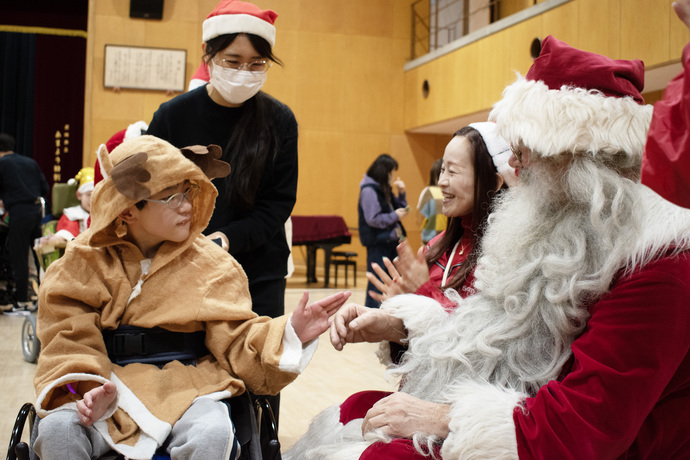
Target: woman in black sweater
{"x":259,"y":139}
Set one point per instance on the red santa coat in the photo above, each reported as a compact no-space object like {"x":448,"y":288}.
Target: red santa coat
{"x":73,"y":221}
{"x":633,"y":359}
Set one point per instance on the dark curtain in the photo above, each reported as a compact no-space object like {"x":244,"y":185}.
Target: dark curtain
{"x":59,"y":105}
{"x":17,"y":55}
{"x":42,"y":77}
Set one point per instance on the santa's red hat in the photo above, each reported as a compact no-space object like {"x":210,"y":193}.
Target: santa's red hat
{"x":576,"y":101}
{"x":234,"y":16}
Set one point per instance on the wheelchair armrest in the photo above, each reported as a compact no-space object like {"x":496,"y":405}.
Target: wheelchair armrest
{"x":15,"y":449}
{"x":246,"y":427}
{"x":270,"y":445}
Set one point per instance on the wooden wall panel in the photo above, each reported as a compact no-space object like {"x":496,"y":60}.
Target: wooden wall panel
{"x":562,"y":23}
{"x":508,"y":7}
{"x":678,"y":35}
{"x":602,"y":16}
{"x":645,"y":30}
{"x":621,"y":29}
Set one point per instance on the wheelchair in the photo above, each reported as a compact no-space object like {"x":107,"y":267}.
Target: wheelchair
{"x":255,"y":425}
{"x":255,"y":430}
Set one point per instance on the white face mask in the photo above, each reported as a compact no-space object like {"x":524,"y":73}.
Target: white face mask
{"x":236,"y":86}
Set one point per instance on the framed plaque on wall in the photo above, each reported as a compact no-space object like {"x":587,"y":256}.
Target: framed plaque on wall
{"x":144,"y":68}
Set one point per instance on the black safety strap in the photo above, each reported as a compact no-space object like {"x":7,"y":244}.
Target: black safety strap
{"x":131,"y":344}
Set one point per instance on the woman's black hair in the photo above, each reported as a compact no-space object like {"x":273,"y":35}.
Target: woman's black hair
{"x":380,"y":171}
{"x":254,"y":139}
{"x":485,"y":185}
{"x":435,"y":172}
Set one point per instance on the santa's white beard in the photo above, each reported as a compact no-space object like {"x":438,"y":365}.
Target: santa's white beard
{"x":552,"y":247}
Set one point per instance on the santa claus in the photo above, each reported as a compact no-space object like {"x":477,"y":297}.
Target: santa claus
{"x":577,"y":343}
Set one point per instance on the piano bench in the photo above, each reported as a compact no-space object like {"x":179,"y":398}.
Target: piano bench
{"x":346,"y":259}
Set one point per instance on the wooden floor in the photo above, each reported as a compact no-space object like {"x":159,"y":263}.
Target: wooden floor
{"x":329,"y":379}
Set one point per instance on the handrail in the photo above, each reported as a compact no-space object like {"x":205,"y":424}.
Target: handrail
{"x":423,"y":29}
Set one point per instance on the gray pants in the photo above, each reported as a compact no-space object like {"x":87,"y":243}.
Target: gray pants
{"x":204,"y":432}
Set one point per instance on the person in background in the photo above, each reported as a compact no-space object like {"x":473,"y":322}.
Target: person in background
{"x":429,"y":205}
{"x":258,"y":135}
{"x":75,"y":219}
{"x":22,"y":184}
{"x":580,"y":314}
{"x":380,"y":214}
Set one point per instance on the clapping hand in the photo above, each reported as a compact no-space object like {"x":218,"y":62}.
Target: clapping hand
{"x":405,"y":274}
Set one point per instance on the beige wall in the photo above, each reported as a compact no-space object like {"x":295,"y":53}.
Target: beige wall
{"x":345,"y":81}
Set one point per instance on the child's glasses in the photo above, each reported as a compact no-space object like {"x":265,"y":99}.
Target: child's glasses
{"x":175,"y":201}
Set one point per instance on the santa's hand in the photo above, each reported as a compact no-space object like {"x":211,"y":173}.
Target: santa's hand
{"x":356,"y":323}
{"x":313,"y":320}
{"x":96,"y":403}
{"x":401,"y":416}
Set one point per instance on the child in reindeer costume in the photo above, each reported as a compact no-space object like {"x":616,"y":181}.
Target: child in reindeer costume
{"x":577,"y":342}
{"x":144,"y":263}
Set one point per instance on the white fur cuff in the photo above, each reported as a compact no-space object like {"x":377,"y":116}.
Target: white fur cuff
{"x":481,"y":424}
{"x":419,"y":313}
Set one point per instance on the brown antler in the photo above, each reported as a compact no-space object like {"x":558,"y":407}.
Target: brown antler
{"x":129,"y":177}
{"x":207,"y":158}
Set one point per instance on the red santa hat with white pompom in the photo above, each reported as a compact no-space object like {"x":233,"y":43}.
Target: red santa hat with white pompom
{"x":234,"y":17}
{"x":576,"y":101}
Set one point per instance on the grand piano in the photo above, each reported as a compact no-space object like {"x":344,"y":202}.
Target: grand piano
{"x":319,"y":232}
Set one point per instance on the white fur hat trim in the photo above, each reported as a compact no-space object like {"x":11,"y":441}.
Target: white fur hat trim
{"x":552,"y":122}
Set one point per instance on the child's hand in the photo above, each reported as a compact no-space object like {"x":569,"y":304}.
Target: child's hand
{"x":96,"y":403}
{"x":311,"y":321}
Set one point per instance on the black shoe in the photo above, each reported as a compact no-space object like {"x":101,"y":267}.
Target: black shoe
{"x":22,"y":309}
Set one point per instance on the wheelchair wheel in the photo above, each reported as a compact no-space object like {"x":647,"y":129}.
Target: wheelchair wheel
{"x":31,"y":347}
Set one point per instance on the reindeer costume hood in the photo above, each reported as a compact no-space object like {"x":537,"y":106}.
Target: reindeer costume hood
{"x":128,"y":179}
